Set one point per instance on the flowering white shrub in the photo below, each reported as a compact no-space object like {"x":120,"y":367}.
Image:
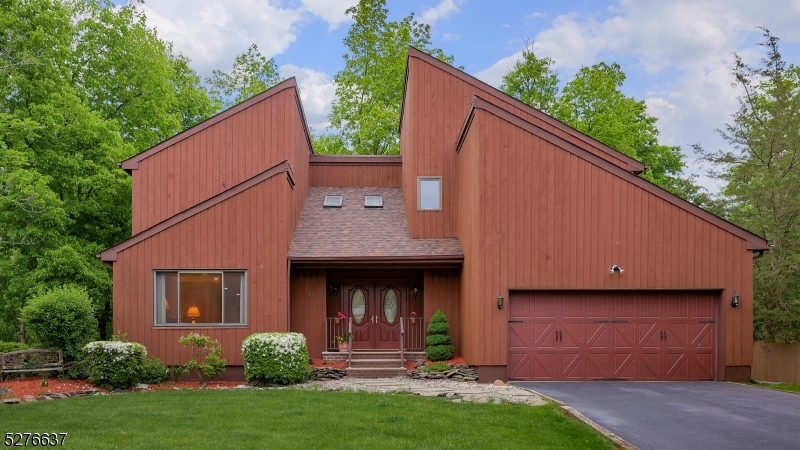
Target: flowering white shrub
{"x":275,"y":358}
{"x":114,"y":364}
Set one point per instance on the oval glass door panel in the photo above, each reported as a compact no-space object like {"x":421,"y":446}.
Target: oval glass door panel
{"x":390,"y":306}
{"x":358,"y":305}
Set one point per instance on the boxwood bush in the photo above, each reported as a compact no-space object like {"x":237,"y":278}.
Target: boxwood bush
{"x":275,"y":358}
{"x":114,"y":364}
{"x":63,"y":318}
{"x":153,"y":371}
{"x":6,"y":347}
{"x":439,"y":343}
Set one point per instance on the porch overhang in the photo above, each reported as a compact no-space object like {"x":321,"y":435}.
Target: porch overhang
{"x":417,"y":262}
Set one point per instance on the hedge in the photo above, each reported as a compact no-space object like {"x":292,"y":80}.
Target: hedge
{"x":275,"y":358}
{"x":114,"y":364}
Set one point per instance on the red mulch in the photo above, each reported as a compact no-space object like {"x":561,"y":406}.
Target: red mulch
{"x":329,"y":364}
{"x":32,"y":386}
{"x":452,"y":361}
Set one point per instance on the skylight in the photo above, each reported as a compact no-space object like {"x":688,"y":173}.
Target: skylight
{"x":332,"y":201}
{"x":373,"y":201}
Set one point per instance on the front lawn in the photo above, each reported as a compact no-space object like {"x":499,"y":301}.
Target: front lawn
{"x":292,"y":418}
{"x":788,"y":387}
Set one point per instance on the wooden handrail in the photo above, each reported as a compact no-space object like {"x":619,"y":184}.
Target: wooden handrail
{"x":350,"y":337}
{"x":402,"y":342}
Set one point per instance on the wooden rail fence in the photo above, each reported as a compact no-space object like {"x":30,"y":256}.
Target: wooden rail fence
{"x":776,"y":362}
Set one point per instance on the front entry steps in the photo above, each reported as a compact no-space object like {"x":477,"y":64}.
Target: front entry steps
{"x":378,"y":364}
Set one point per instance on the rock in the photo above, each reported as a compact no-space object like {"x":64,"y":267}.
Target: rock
{"x":499,"y":383}
{"x":498,"y":401}
{"x":483,"y":400}
{"x":11,"y":401}
{"x":29,"y":398}
{"x":72,"y":394}
{"x":57,"y":395}
{"x":4,"y":391}
{"x":115,"y":391}
{"x":456,"y":400}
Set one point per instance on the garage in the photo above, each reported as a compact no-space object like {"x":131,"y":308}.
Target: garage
{"x":608,"y":335}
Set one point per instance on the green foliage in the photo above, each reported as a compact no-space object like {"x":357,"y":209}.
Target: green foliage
{"x":275,"y":358}
{"x":439,"y":343}
{"x":77,"y":370}
{"x":114,"y":364}
{"x":252,"y":74}
{"x":62,"y":319}
{"x":153,"y":371}
{"x":85,"y":84}
{"x":174,"y":372}
{"x":206,"y":356}
{"x":593,"y":104}
{"x":6,"y":347}
{"x":761,"y":173}
{"x":342,"y":338}
{"x":436,"y":367}
{"x":370,"y":87}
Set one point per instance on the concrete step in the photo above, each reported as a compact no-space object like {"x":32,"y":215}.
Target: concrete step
{"x":377,"y":363}
{"x":372,"y":372}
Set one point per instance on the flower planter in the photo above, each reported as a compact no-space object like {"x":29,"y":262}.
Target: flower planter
{"x":413,"y":320}
{"x":336,"y":320}
{"x":344,"y":347}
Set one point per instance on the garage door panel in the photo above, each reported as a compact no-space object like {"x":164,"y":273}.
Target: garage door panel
{"x":629,"y":335}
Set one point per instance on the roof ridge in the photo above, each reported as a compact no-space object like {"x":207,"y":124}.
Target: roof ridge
{"x":132,"y":163}
{"x":110,"y":254}
{"x":754,"y":242}
{"x":413,"y":52}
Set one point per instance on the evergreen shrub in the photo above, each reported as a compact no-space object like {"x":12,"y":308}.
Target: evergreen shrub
{"x":439,"y":344}
{"x":153,"y":371}
{"x":63,"y":318}
{"x":275,"y":358}
{"x":114,"y":364}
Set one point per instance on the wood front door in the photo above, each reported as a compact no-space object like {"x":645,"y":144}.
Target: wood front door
{"x":376,"y":307}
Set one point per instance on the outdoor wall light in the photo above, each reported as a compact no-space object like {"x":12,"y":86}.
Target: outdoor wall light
{"x":616,"y":268}
{"x":500,"y":301}
{"x":334,"y":289}
{"x":735,"y":301}
{"x":416,"y":291}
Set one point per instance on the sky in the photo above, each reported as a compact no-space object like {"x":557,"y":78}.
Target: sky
{"x":677,"y":54}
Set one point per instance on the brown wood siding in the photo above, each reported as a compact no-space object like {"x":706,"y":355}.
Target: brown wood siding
{"x":249,"y":231}
{"x":218,"y":157}
{"x":435,"y":106}
{"x":353,"y":175}
{"x":542,"y":218}
{"x":307,"y":308}
{"x":441,"y":292}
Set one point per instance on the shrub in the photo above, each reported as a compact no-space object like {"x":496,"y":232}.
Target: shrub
{"x":275,"y":358}
{"x":153,"y":371}
{"x":114,"y":364}
{"x":77,"y":370}
{"x":174,"y":372}
{"x":439,"y":343}
{"x":203,"y":345}
{"x":62,"y":319}
{"x":6,"y":347}
{"x":436,"y":367}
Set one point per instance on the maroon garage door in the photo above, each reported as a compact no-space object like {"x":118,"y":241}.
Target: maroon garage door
{"x":613,"y":335}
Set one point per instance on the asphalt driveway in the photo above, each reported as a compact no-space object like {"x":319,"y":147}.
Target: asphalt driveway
{"x":687,"y":415}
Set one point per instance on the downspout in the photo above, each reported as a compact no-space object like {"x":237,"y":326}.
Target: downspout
{"x":288,"y":293}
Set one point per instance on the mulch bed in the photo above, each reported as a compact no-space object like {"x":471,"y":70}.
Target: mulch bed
{"x":32,"y":386}
{"x":452,"y":361}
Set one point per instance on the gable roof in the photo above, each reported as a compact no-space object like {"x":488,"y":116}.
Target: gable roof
{"x":356,"y":234}
{"x":633,"y":165}
{"x":110,"y":254}
{"x":132,"y":163}
{"x":754,"y":242}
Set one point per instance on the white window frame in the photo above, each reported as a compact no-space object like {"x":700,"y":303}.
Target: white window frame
{"x":222,"y":272}
{"x":420,"y":179}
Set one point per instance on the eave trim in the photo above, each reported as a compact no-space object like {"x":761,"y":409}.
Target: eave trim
{"x":132,"y":163}
{"x":110,"y":254}
{"x":754,"y":242}
{"x":355,"y":160}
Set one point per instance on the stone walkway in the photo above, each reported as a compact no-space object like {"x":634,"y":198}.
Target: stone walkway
{"x":456,"y":391}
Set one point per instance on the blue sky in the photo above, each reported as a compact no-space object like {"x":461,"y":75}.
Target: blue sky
{"x":677,"y":54}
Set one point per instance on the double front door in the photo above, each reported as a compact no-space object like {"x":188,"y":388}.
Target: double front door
{"x":376,"y":307}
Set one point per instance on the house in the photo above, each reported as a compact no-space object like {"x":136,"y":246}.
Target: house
{"x":552,"y":259}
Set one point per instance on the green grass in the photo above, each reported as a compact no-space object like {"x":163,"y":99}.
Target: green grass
{"x":292,"y":418}
{"x":788,"y":387}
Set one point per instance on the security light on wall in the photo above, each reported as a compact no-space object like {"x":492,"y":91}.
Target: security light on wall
{"x":616,"y":268}
{"x":735,"y":301}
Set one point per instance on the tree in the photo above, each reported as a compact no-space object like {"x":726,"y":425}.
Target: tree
{"x":761,"y":172}
{"x":86,"y":84}
{"x":370,"y":87}
{"x":593,"y":104}
{"x":252,"y":74}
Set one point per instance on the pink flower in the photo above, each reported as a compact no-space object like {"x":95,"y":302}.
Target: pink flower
{"x":413,"y":314}
{"x":342,"y":316}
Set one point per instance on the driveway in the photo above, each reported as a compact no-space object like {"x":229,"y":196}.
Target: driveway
{"x":684,"y":415}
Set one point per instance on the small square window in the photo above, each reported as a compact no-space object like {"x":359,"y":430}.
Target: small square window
{"x":332,"y":201}
{"x":373,"y":201}
{"x":430,"y":193}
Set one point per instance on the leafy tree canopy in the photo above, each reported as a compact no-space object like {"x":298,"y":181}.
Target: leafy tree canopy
{"x":370,"y":87}
{"x":761,"y":172}
{"x":251,"y":74}
{"x":593,"y":104}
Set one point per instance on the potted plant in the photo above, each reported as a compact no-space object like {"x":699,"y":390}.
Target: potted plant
{"x":340,"y":317}
{"x":413,"y":317}
{"x":343,"y":341}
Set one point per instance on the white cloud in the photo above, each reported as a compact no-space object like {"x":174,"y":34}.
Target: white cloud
{"x":331,"y":11}
{"x":317,"y":92}
{"x":446,"y":37}
{"x":441,"y":11}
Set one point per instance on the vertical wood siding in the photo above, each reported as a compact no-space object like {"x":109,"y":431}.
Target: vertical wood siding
{"x":441,"y":289}
{"x":217,"y":158}
{"x":355,"y":175}
{"x":542,"y":218}
{"x":307,"y":308}
{"x":436,"y":104}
